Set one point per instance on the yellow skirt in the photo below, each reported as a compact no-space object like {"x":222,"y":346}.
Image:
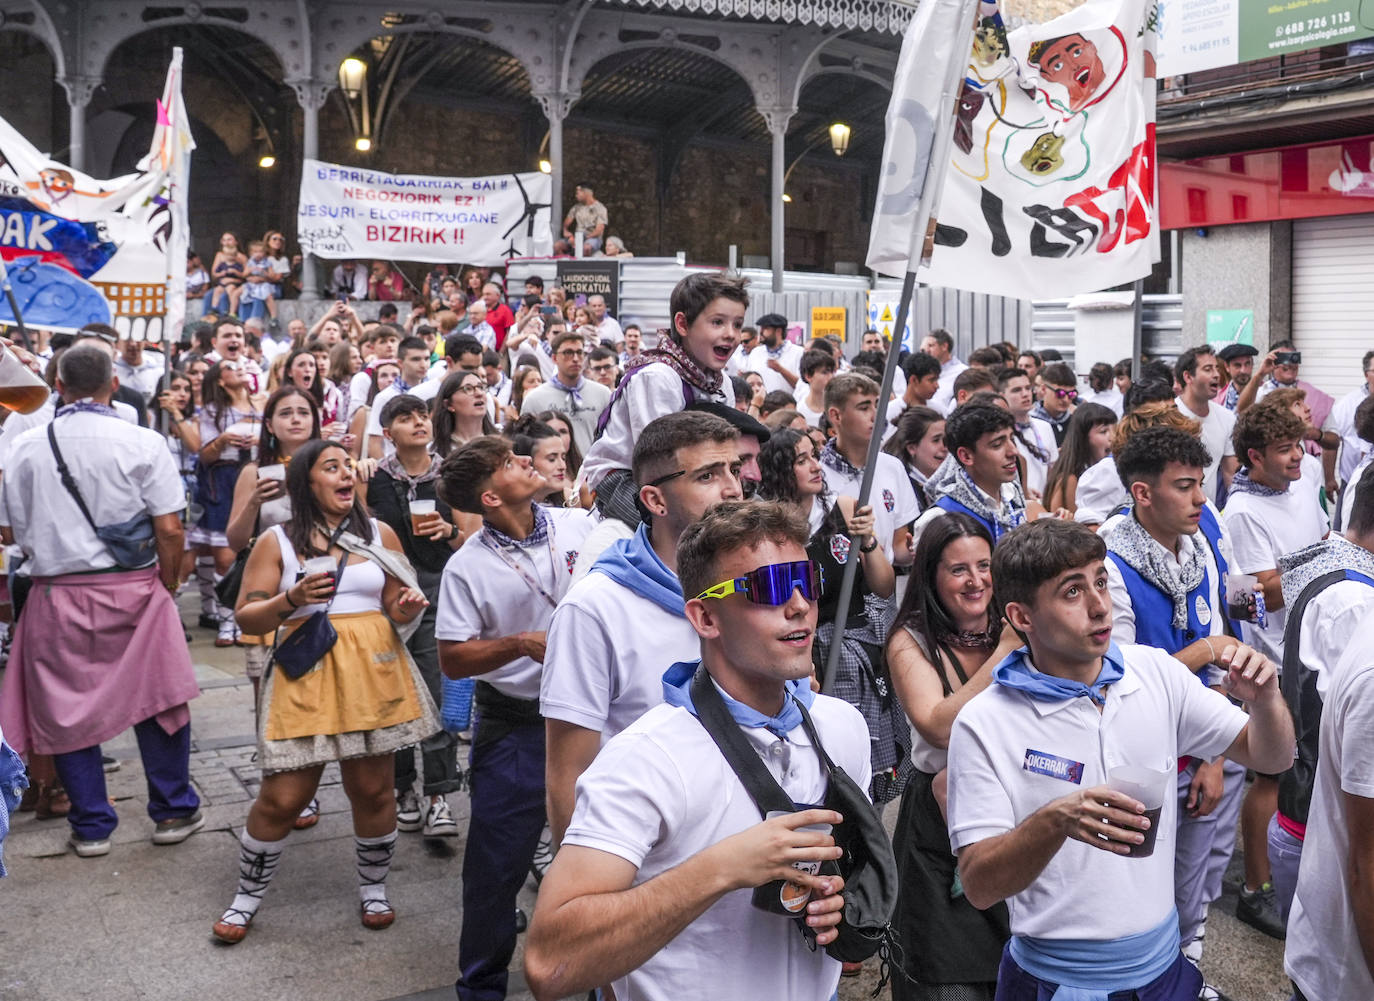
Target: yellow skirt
{"x":364,"y":683}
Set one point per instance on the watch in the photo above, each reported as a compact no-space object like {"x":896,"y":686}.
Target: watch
{"x":872,"y":545}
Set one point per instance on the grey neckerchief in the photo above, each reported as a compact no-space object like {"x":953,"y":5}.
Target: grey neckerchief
{"x":1143,"y":554}
{"x":1297,"y":570}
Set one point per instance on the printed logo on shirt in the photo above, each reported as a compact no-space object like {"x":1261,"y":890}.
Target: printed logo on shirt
{"x":839,"y":548}
{"x":1053,"y":766}
{"x":889,"y":501}
{"x":570,"y":557}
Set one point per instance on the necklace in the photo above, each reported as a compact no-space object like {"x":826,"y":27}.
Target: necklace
{"x":967,"y":639}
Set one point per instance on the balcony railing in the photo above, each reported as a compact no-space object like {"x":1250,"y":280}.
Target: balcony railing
{"x":1330,"y":63}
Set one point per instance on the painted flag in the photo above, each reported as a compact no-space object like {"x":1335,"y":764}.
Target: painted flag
{"x":170,"y":153}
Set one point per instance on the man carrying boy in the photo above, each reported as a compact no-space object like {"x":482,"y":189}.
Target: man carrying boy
{"x":1033,"y":816}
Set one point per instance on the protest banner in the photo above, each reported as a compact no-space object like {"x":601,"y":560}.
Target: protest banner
{"x":581,"y":279}
{"x":357,"y":212}
{"x":81,"y":250}
{"x":1050,"y":184}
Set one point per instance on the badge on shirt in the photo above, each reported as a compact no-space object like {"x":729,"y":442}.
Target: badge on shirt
{"x":1204,"y":610}
{"x":839,"y":548}
{"x":1053,"y":766}
{"x":889,"y":501}
{"x":570,"y":558}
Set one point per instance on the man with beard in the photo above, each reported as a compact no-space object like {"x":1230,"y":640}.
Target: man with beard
{"x":1239,"y":360}
{"x":1196,"y":371}
{"x":776,"y":358}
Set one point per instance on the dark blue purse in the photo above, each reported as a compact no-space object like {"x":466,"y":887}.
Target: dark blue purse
{"x":308,"y":643}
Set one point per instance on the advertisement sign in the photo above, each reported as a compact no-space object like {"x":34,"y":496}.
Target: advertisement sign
{"x":1230,"y":326}
{"x":582,"y":279}
{"x":1199,"y":35}
{"x":356,"y":212}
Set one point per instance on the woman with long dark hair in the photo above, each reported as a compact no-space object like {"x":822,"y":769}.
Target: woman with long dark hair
{"x":526,"y":377}
{"x":919,"y":441}
{"x":945,"y":643}
{"x":548,"y":455}
{"x":229,"y":423}
{"x":361,"y":701}
{"x":460,"y":412}
{"x":1087,"y":441}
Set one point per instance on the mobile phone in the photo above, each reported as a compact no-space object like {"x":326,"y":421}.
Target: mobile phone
{"x":343,"y":297}
{"x":1287,"y":357}
{"x":548,"y":310}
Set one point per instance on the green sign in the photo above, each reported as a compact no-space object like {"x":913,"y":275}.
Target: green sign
{"x":1269,"y":28}
{"x":1228,"y":326}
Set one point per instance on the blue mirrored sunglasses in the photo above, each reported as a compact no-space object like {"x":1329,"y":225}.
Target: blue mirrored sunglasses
{"x":772,"y":584}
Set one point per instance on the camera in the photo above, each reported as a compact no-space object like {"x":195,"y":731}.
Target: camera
{"x":1287,"y":357}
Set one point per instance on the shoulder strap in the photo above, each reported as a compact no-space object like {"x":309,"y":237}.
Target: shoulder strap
{"x":66,"y":475}
{"x":739,"y":754}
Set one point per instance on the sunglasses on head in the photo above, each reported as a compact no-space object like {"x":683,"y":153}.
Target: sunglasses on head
{"x":772,"y":584}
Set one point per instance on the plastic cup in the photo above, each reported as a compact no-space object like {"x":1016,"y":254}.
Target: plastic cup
{"x":1242,"y":601}
{"x":782,"y":896}
{"x":320,"y":564}
{"x":20,"y":390}
{"x":1149,"y":786}
{"x":274,"y":472}
{"x":420,"y":511}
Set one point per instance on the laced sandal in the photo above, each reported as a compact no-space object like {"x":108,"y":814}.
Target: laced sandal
{"x":231,"y":932}
{"x":377,"y":914}
{"x":309,"y":817}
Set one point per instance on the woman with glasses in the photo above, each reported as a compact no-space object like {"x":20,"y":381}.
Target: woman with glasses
{"x":460,"y":412}
{"x":946,"y":640}
{"x":360,"y":702}
{"x":229,"y":424}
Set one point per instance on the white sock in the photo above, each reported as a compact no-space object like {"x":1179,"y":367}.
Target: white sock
{"x":205,"y":582}
{"x":257,"y":865}
{"x":374,"y":862}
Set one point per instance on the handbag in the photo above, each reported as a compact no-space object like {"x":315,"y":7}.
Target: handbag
{"x":456,"y":712}
{"x":132,"y":543}
{"x":868,"y":865}
{"x":227,"y":590}
{"x":301,"y":651}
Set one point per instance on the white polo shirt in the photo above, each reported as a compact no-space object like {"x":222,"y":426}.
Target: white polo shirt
{"x":120,"y":469}
{"x":426,"y":390}
{"x":1262,"y":529}
{"x":1342,"y":421}
{"x":789,"y":356}
{"x":1328,"y":624}
{"x":892,"y":498}
{"x":1005,"y":748}
{"x":1217,"y":428}
{"x":661,"y":792}
{"x":943,"y":400}
{"x":1323,"y":954}
{"x":481,"y":597}
{"x":1100,"y":492}
{"x":604,"y":665}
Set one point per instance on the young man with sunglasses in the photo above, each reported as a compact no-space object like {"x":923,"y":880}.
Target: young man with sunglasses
{"x":1058,"y":397}
{"x":1033,"y":816}
{"x":663,"y":831}
{"x":496,"y":598}
{"x":604,"y":667}
{"x":569,"y":391}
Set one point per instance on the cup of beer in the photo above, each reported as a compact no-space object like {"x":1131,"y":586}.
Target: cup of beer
{"x":320,"y":564}
{"x":1149,"y":786}
{"x":420,"y":512}
{"x":20,"y":389}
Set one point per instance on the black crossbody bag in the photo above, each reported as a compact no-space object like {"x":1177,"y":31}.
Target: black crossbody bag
{"x":132,"y":543}
{"x":868,"y":865}
{"x":314,"y":637}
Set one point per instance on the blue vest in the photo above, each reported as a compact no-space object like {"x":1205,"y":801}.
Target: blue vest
{"x":954,"y":507}
{"x":1154,"y":610}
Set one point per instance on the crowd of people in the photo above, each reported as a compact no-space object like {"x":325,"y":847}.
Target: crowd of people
{"x":1085,"y":620}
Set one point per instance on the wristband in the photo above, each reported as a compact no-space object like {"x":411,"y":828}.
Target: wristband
{"x":872,"y":545}
{"x":1210,"y":648}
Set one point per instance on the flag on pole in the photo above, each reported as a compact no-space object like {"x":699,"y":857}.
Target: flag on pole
{"x":170,"y":154}
{"x":1050,"y":181}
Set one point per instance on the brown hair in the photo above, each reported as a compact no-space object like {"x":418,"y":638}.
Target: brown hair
{"x":1162,"y":414}
{"x":728,"y":527}
{"x":655,"y":452}
{"x":694,"y":293}
{"x":467,"y":472}
{"x":1260,"y":427}
{"x":844,"y":387}
{"x":1037,"y":552}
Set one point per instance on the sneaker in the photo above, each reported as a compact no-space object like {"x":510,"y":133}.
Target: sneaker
{"x":439,"y":822}
{"x":207,"y":621}
{"x":89,"y":848}
{"x":1259,"y":910}
{"x":521,"y":921}
{"x":109,"y":764}
{"x":178,"y":829}
{"x":1193,"y":951}
{"x":409,"y":817}
{"x":543,"y":857}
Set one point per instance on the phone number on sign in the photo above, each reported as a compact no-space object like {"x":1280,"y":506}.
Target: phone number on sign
{"x":1314,"y":24}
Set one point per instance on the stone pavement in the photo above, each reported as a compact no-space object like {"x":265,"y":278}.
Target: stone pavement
{"x":135,"y":925}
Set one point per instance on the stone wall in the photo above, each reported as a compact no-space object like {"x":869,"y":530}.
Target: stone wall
{"x":1246,"y":266}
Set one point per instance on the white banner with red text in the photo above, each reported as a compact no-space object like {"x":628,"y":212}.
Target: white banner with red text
{"x":357,"y":212}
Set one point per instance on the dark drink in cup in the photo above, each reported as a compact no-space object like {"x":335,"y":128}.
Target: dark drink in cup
{"x":1147,"y":786}
{"x":1147,"y":847}
{"x":321,"y":564}
{"x":420,"y":512}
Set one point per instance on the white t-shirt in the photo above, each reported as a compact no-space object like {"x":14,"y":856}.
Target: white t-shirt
{"x":583,"y":416}
{"x":1040,"y":434}
{"x":607,"y":650}
{"x":1323,"y":954}
{"x":1100,"y":492}
{"x":1262,"y":529}
{"x":892,"y":498}
{"x":943,"y":400}
{"x":358,"y":388}
{"x":789,"y":356}
{"x":895,"y":409}
{"x":660,"y":793}
{"x":609,"y":330}
{"x":120,"y":469}
{"x":1342,"y":421}
{"x":813,"y":417}
{"x":653,"y":391}
{"x":1003,"y":754}
{"x":1328,"y":624}
{"x":1109,"y":398}
{"x":481,"y":597}
{"x":1347,"y":495}
{"x":1217,"y":427}
{"x":598,"y":540}
{"x":426,"y":390}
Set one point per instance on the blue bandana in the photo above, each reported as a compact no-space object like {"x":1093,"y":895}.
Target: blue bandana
{"x":677,"y":684}
{"x":1019,"y":673}
{"x":632,"y":563}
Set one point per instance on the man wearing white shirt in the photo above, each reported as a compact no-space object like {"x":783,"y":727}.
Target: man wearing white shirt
{"x":1036,"y":444}
{"x":349,"y":280}
{"x":569,"y":391}
{"x":739,"y":361}
{"x":940,"y":346}
{"x":922,"y":383}
{"x":230,"y":343}
{"x":607,"y":326}
{"x":1198,"y":373}
{"x":644,"y":889}
{"x":1342,"y":421}
{"x":776,"y":358}
{"x":495,"y":600}
{"x":603,"y":667}
{"x":383,"y":340}
{"x":138,"y":368}
{"x":413,"y":356}
{"x":1032,"y":815}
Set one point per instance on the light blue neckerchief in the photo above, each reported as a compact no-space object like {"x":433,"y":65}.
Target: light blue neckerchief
{"x":677,"y":683}
{"x":632,"y":563}
{"x":1019,"y":673}
{"x":1090,"y":970}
